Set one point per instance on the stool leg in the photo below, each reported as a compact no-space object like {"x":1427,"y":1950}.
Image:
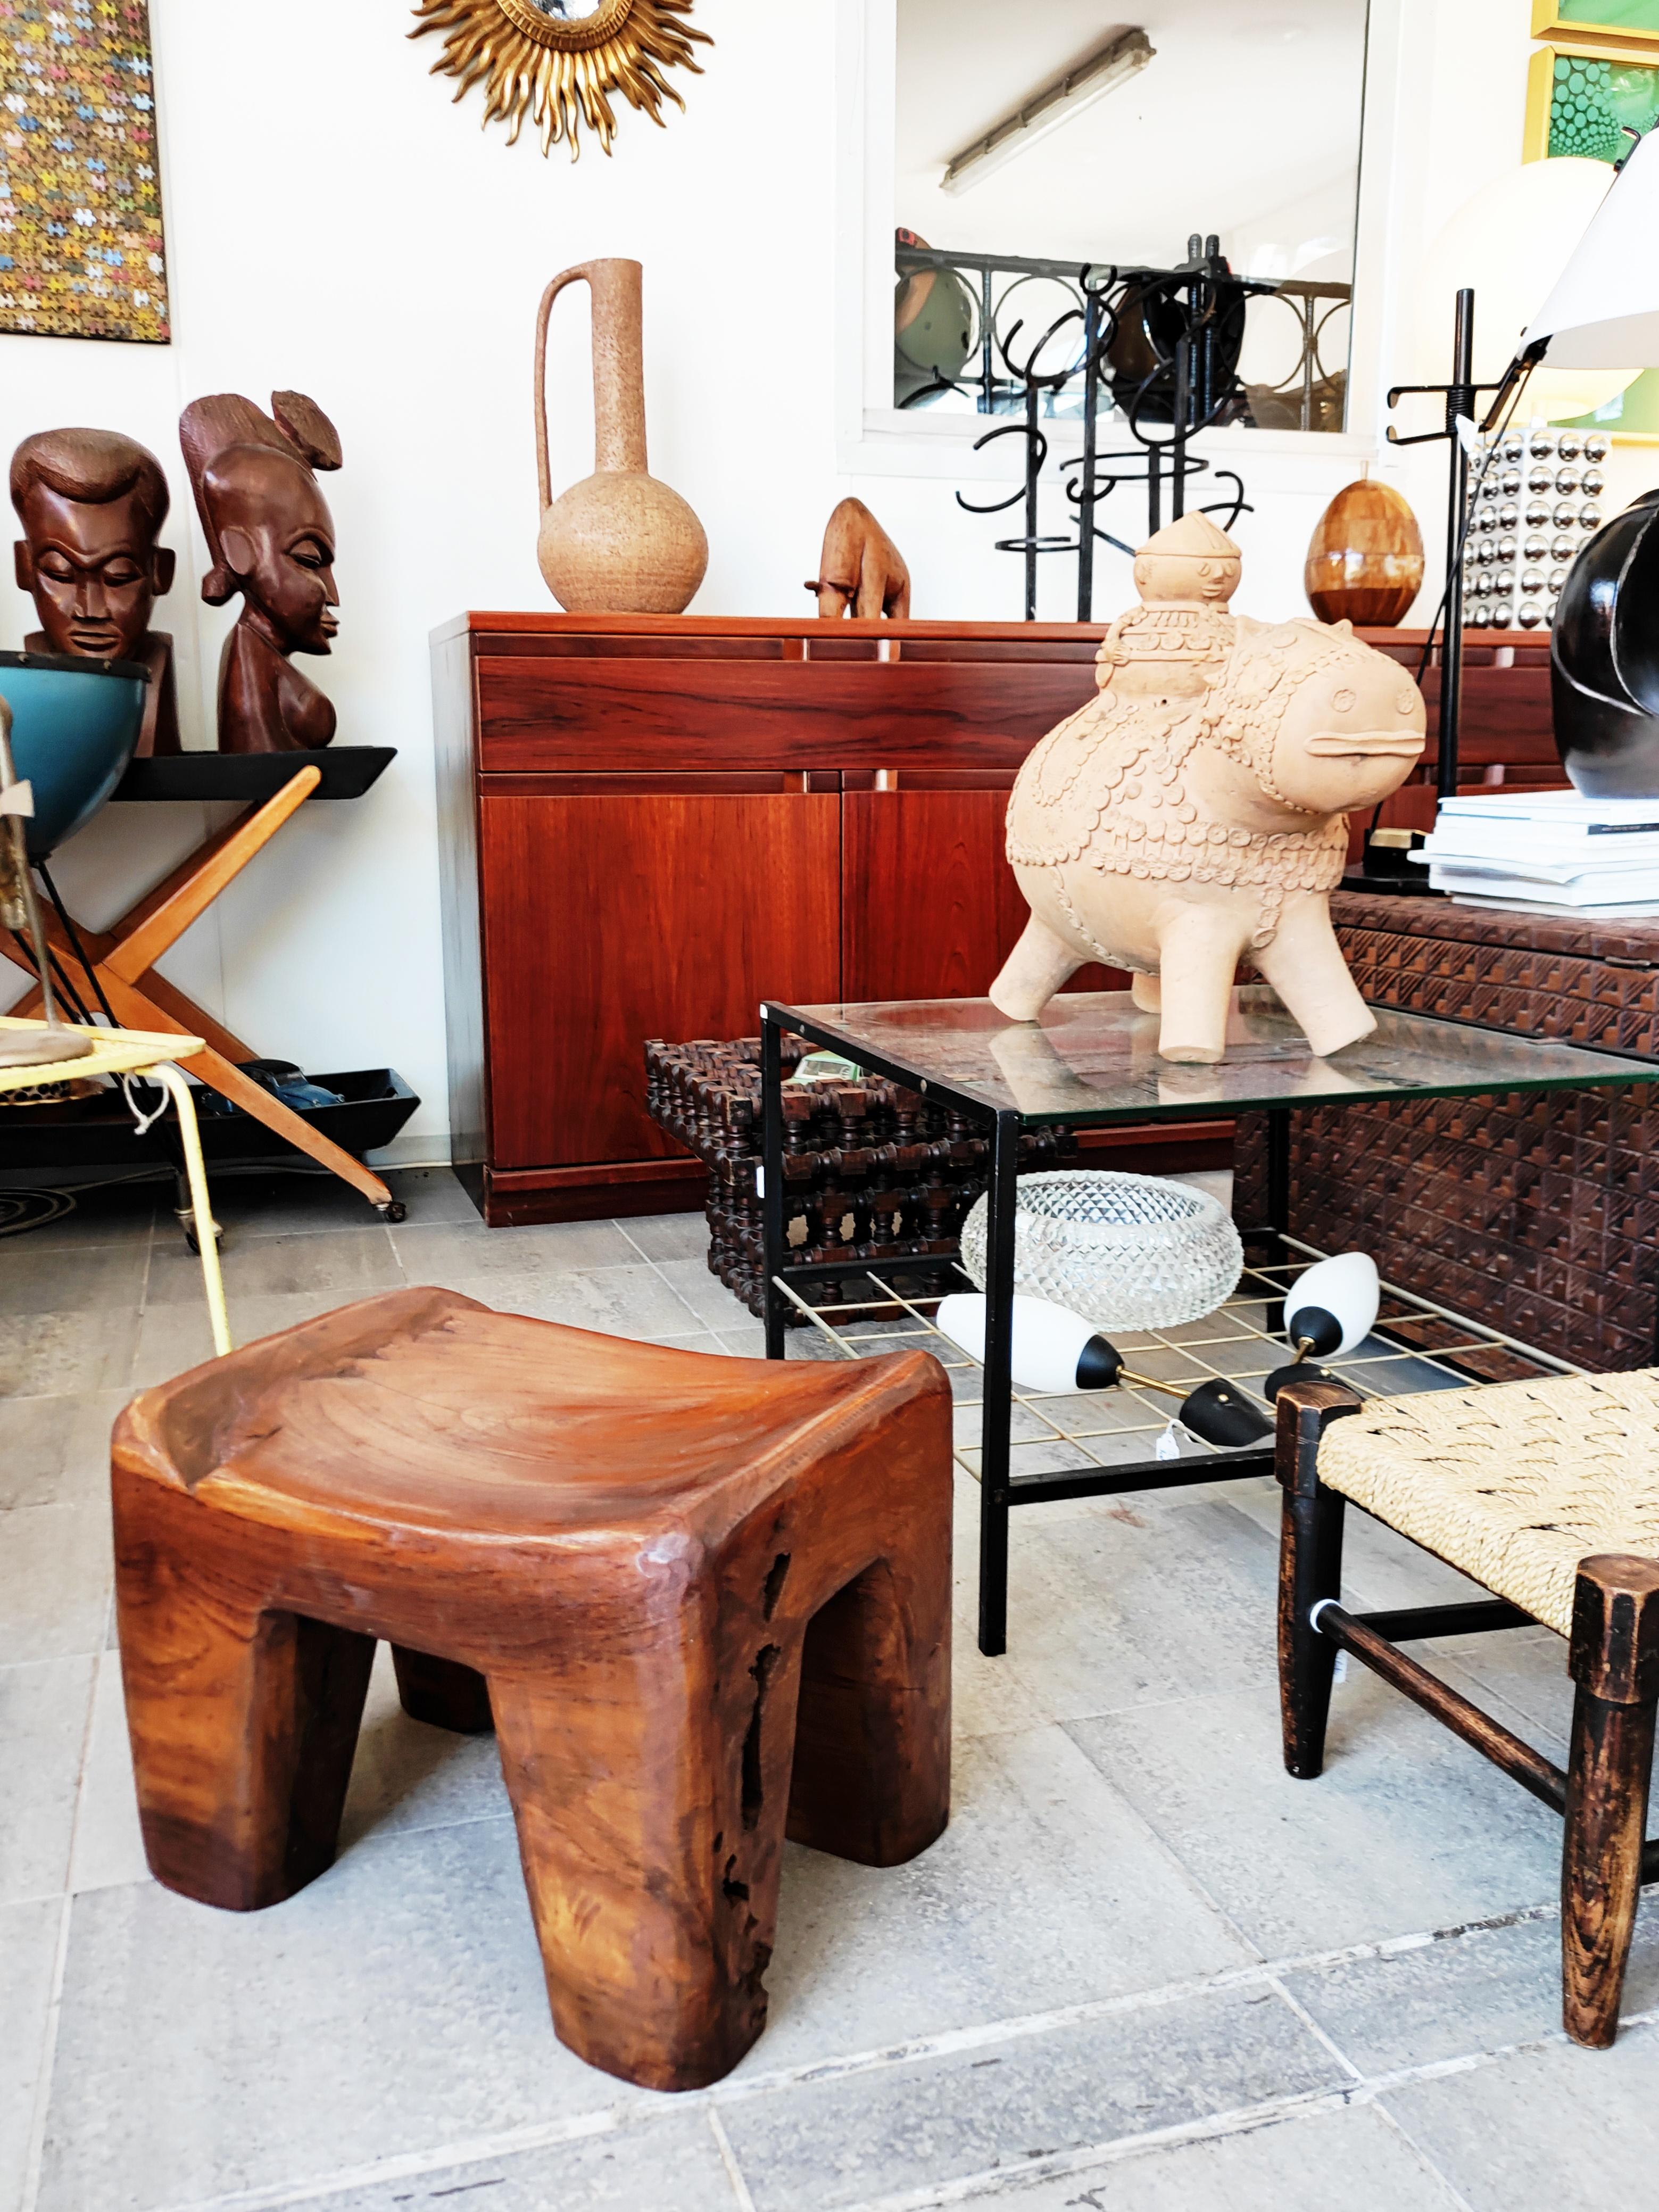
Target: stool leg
{"x":1614,"y":1661}
{"x":1310,"y":1568}
{"x":442,"y":1692}
{"x":872,"y":1776}
{"x":243,"y":1727}
{"x":652,"y":1882}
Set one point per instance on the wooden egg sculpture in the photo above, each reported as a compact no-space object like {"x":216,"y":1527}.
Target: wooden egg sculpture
{"x":1365,"y":558}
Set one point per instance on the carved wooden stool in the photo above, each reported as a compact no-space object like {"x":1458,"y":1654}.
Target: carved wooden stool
{"x":1548,"y":1493}
{"x":709,"y":1597}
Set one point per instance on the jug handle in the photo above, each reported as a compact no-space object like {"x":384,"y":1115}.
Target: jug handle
{"x":584,"y":270}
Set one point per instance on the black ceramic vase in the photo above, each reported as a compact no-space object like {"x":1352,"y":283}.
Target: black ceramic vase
{"x":1604,"y":659}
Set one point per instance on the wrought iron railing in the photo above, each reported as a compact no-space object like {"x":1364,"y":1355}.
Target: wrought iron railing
{"x":1157,"y":350}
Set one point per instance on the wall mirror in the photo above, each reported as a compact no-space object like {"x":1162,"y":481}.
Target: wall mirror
{"x":1033,"y":144}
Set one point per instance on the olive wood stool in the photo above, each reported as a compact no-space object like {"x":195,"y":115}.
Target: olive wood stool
{"x":707,"y":1601}
{"x":1547,"y":1493}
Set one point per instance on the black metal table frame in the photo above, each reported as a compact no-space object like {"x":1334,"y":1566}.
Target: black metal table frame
{"x":1000,"y":1490}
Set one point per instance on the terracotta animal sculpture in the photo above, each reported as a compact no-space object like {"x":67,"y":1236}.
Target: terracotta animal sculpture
{"x":271,"y":537}
{"x":92,"y":503}
{"x":1191,"y":816}
{"x":860,"y":571}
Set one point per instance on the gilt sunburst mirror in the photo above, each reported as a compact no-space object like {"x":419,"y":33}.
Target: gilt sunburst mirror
{"x":558,"y":62}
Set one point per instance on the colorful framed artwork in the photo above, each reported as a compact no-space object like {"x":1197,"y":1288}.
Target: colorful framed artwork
{"x":1583,"y":97}
{"x":1635,"y":19}
{"x":82,"y":251}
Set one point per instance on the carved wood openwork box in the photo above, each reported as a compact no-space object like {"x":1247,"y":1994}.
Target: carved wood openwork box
{"x":1536,"y":1213}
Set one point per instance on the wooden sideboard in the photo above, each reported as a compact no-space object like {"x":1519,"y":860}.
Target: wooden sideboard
{"x":647,"y":823}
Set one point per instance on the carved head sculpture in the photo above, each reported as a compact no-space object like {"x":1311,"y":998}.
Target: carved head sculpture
{"x":1320,"y":722}
{"x":268,"y":526}
{"x":92,"y":504}
{"x":1190,"y":561}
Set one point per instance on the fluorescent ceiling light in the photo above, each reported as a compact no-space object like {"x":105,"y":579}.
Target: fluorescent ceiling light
{"x":1123,"y":56}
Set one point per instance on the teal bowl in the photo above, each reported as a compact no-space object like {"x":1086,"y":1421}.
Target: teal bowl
{"x":74,"y":726}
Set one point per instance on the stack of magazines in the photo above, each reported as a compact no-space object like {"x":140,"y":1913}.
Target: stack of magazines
{"x":1550,"y":852}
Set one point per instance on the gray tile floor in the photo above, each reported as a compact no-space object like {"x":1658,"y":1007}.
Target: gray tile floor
{"x":1142,"y":1971}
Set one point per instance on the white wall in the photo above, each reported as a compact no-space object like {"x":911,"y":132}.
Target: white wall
{"x":334,"y":225}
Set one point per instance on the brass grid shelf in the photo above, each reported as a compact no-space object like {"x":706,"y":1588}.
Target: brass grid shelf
{"x":1232,"y":1344}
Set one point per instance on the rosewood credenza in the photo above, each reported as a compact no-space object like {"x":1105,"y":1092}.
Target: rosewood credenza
{"x":649,"y":824}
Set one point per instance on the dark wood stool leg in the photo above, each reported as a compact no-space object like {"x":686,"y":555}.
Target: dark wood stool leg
{"x":243,"y":1727}
{"x":442,"y":1692}
{"x":872,"y":1776}
{"x":1310,"y":1568}
{"x":1614,"y":1661}
{"x":651,"y":1828}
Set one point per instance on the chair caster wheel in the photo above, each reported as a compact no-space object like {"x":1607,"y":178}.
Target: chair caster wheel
{"x":195,"y":1241}
{"x":392,"y":1212}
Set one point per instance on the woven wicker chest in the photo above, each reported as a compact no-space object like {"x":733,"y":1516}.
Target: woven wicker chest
{"x":1536,"y":1213}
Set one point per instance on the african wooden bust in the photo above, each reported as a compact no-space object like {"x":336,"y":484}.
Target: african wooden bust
{"x":92,"y":504}
{"x":271,"y":538}
{"x":1192,"y":815}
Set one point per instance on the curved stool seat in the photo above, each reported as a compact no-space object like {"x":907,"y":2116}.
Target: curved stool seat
{"x":706,"y":1601}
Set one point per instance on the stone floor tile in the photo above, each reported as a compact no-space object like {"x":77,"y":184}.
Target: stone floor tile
{"x":56,"y":1568}
{"x":44,"y":1354}
{"x":1526,"y":1668}
{"x":745,"y":1340}
{"x":715,"y":1307}
{"x":672,"y":2164}
{"x":668,"y":1236}
{"x":335,"y":1265}
{"x":1380,"y":1568}
{"x":34,"y":1444}
{"x":43,"y":1734}
{"x":407,"y":1775}
{"x":115,"y":1213}
{"x":28,"y":1952}
{"x":72,"y":1279}
{"x":395,"y":2005}
{"x":446,"y":1252}
{"x":1407,"y":1829}
{"x":632,"y":1301}
{"x":109,"y":1848}
{"x":429,"y":1195}
{"x":1472,"y":1989}
{"x":1352,"y":2158}
{"x":173,"y":1338}
{"x":1559,"y":2129}
{"x":858,"y":2138}
{"x":291,"y":1203}
{"x":1105,"y":1612}
{"x":1044,"y":1890}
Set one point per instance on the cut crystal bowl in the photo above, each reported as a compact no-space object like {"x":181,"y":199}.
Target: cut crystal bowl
{"x":1125,"y":1251}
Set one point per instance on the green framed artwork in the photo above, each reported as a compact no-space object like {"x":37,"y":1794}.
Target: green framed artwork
{"x":1616,"y":18}
{"x":1584,"y":95}
{"x":82,"y":251}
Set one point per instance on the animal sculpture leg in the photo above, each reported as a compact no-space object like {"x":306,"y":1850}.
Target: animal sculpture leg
{"x":1198,"y":950}
{"x":1305,"y":966}
{"x":1033,"y":972}
{"x":1147,"y":993}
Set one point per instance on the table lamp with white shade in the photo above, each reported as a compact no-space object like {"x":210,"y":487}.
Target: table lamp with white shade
{"x":1597,"y":328}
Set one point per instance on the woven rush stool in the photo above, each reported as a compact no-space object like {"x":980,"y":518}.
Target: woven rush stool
{"x":1547,"y":1493}
{"x":707,"y":1601}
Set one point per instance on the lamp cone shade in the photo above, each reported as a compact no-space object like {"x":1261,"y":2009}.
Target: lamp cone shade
{"x":1605,"y":307}
{"x":1364,"y":561}
{"x":1522,"y":233}
{"x":1334,"y":1304}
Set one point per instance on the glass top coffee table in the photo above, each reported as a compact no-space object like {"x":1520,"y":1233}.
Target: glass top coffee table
{"x":1091,"y":1062}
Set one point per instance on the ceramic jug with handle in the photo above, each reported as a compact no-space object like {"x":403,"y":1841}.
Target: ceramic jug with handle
{"x":618,"y":541}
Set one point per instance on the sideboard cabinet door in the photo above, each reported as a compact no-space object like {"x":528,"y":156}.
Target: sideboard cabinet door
{"x":930,"y":908}
{"x":616,"y":915}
